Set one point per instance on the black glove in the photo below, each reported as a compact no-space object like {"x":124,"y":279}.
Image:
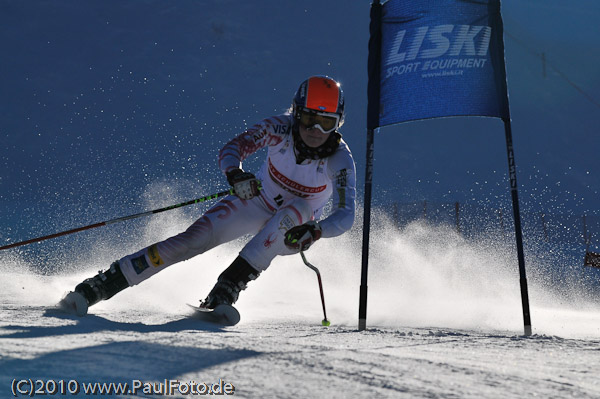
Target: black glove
{"x":245,"y":184}
{"x":303,"y":236}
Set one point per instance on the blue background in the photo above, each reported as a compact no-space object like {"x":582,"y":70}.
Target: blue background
{"x":113,"y":107}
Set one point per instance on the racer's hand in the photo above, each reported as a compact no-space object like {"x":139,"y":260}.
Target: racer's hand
{"x":245,"y":184}
{"x":303,"y":236}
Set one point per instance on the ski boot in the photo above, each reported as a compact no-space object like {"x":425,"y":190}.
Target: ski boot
{"x":102,"y":286}
{"x":229,"y":284}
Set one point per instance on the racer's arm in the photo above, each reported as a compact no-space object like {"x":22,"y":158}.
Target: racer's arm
{"x":267,"y":132}
{"x":342,"y":171}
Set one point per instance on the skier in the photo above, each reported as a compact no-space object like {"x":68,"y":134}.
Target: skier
{"x":307,"y":163}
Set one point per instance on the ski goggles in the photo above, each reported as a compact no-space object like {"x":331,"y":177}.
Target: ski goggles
{"x":326,"y":122}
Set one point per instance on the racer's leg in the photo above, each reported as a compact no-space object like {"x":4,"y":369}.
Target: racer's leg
{"x":258,"y":253}
{"x":228,"y":219}
{"x":268,"y":243}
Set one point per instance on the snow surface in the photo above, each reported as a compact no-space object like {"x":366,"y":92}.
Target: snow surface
{"x":444,"y":321}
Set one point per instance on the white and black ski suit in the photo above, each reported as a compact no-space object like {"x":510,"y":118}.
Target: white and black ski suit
{"x":292,"y":194}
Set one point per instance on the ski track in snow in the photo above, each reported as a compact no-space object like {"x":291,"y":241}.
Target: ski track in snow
{"x":450,"y":328}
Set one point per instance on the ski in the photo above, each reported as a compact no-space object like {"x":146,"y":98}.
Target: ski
{"x":224,"y":315}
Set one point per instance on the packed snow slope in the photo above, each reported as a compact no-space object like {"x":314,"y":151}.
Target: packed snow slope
{"x":444,"y":321}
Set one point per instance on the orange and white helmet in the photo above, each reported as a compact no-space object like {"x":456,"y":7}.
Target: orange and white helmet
{"x":319,"y":102}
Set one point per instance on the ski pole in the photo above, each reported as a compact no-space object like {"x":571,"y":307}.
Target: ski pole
{"x":325,"y":322}
{"x":121,"y":219}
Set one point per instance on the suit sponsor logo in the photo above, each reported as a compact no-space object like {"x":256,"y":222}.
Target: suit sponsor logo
{"x":286,"y":223}
{"x":278,"y":200}
{"x":280,"y":129}
{"x":258,"y":136}
{"x":341,"y":178}
{"x":292,"y":186}
{"x":155,"y":258}
{"x":270,"y":240}
{"x":139,"y":264}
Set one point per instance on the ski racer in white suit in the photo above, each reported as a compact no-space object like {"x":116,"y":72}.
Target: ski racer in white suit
{"x":307,"y":164}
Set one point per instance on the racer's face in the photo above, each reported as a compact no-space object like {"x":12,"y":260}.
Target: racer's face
{"x":313,"y":136}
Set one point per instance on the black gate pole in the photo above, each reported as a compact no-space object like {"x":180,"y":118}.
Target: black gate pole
{"x":512,"y":172}
{"x":362,"y":308}
{"x":374,"y":70}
